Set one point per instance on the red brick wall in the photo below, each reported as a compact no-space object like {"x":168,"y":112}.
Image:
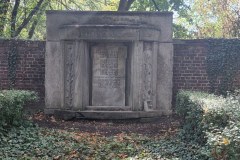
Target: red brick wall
{"x":189,"y":70}
{"x":30,"y":65}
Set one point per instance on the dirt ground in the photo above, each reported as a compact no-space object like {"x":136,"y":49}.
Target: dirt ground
{"x":156,"y":127}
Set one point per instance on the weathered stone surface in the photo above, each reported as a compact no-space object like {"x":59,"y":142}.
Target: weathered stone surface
{"x":54,"y":76}
{"x":164,"y":78}
{"x":69,"y":75}
{"x":136,"y":97}
{"x":117,"y":114}
{"x":108,"y":75}
{"x":155,"y":21}
{"x":108,"y":108}
{"x":95,"y":33}
{"x":149,"y":74}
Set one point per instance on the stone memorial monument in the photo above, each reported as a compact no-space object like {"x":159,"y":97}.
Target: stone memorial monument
{"x":108,"y":65}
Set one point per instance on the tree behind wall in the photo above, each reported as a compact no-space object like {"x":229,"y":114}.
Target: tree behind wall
{"x":26,"y":18}
{"x":216,"y":18}
{"x":18,"y":15}
{"x":4,"y":5}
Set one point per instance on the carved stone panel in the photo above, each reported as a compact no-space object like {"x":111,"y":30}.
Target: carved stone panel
{"x":69,"y":52}
{"x":148,"y":75}
{"x":108,"y":74}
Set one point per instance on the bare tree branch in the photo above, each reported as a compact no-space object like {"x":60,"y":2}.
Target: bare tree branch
{"x":65,"y":5}
{"x":155,"y":4}
{"x":36,"y":20}
{"x":26,"y":20}
{"x":13,"y":17}
{"x":32,"y":29}
{"x":130,"y":2}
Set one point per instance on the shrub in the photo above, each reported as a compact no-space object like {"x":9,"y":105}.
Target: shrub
{"x":211,"y":120}
{"x":11,"y":106}
{"x":192,"y":113}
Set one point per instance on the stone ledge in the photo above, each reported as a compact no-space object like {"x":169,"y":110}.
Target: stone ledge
{"x":96,"y":13}
{"x":118,"y":114}
{"x":108,"y":108}
{"x":89,"y":114}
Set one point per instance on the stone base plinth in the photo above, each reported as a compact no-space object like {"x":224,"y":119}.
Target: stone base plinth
{"x":90,"y":114}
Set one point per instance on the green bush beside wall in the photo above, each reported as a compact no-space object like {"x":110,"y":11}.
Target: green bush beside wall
{"x":11,"y":106}
{"x":211,"y":120}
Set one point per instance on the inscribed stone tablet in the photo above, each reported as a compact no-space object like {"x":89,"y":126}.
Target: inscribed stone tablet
{"x":108,"y":75}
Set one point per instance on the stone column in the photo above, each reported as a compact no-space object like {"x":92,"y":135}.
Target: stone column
{"x":164,"y":77}
{"x":54,"y":78}
{"x":81,"y":76}
{"x":136,"y":76}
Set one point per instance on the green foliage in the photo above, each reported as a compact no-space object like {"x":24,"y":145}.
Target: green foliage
{"x":223,"y":63}
{"x":31,"y":142}
{"x":211,"y":130}
{"x":180,"y":31}
{"x":32,"y":26}
{"x":179,"y":8}
{"x":215,"y":18}
{"x":216,"y":121}
{"x":223,"y":128}
{"x":162,"y":5}
{"x":39,"y":143}
{"x":175,"y":148}
{"x":192,"y":117}
{"x":11,"y":106}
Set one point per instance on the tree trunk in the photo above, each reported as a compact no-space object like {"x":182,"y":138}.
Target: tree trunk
{"x":35,"y":21}
{"x":155,"y":5}
{"x":124,"y":5}
{"x":14,"y":16}
{"x":32,"y":29}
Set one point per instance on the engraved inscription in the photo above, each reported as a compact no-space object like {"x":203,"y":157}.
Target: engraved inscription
{"x":108,"y":85}
{"x":108,"y":70}
{"x":110,"y":34}
{"x":94,"y":33}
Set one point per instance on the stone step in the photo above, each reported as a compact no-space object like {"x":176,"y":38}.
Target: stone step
{"x":108,"y":108}
{"x":89,"y":114}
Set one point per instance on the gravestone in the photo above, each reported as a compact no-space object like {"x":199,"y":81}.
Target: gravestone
{"x":108,"y":70}
{"x":108,"y":65}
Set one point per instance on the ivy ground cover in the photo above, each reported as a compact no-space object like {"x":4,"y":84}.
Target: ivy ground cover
{"x":57,"y":142}
{"x":209,"y":130}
